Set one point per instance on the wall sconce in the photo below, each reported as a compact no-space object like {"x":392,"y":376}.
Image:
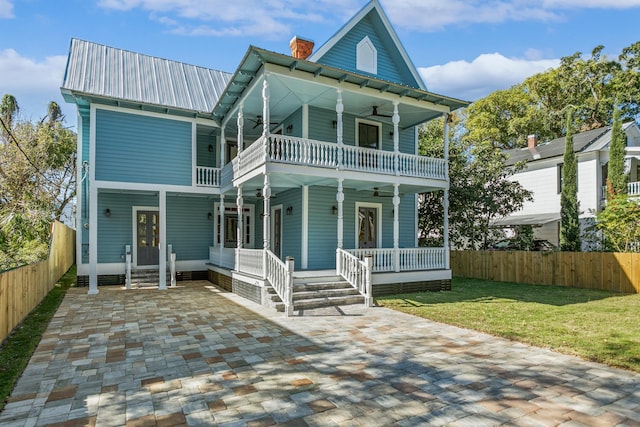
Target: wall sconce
{"x":107,"y":212}
{"x":334,"y":210}
{"x":289,"y":210}
{"x":289,"y":129}
{"x":335,"y":124}
{"x":391,"y":134}
{"x":209,"y":216}
{"x":210,"y":148}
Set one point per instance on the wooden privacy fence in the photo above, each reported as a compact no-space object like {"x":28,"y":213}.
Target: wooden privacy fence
{"x":619,"y":272}
{"x":23,"y":288}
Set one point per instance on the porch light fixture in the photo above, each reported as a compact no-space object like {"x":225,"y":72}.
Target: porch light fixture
{"x":210,"y":148}
{"x":289,"y":128}
{"x":107,"y":212}
{"x":334,"y":209}
{"x":209,"y":216}
{"x":289,"y":210}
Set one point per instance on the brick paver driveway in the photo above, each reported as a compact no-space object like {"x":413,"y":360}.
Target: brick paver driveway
{"x":197,"y":356}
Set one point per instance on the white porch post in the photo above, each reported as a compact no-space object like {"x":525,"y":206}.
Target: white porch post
{"x":396,"y":227}
{"x":266,"y":224}
{"x":240,"y":141}
{"x":223,"y":148}
{"x":340,"y":200}
{"x":240,"y":227}
{"x":221,"y":225}
{"x":162,"y":268}
{"x":396,"y":138}
{"x":93,"y":238}
{"x":445,"y":200}
{"x":265,"y":106}
{"x":339,"y":136}
{"x":305,"y":227}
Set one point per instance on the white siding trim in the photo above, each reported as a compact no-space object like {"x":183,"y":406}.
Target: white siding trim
{"x":79,"y":194}
{"x":93,"y":206}
{"x":194,"y":153}
{"x":305,"y":121}
{"x":162,"y":244}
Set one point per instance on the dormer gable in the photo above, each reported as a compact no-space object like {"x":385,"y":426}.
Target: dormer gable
{"x":368,"y":44}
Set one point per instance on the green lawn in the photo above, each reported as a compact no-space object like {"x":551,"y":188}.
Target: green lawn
{"x":17,"y":350}
{"x":596,"y":325}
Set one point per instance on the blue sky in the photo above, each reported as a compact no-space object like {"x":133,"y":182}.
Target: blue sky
{"x":462,"y":48}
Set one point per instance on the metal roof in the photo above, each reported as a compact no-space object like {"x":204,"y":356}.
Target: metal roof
{"x":256,"y":57}
{"x":102,"y":71}
{"x":555,"y":147}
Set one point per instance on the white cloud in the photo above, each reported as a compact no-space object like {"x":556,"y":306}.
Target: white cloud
{"x":34,"y":83}
{"x":6,"y":9}
{"x":485,"y":74}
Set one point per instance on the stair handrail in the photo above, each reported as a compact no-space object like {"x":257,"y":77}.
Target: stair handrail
{"x":280,"y":276}
{"x":357,"y":273}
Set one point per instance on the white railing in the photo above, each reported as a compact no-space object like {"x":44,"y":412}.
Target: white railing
{"x":411,"y":259}
{"x":207,"y":177}
{"x":226,"y":175}
{"x":356,"y":272}
{"x":250,"y":261}
{"x":280,"y":276}
{"x":633,"y":188}
{"x":225,"y":259}
{"x":307,"y":152}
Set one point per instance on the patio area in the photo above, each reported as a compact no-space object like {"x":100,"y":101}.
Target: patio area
{"x":196,"y":355}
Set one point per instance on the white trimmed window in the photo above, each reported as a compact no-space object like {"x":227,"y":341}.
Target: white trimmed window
{"x":367,"y":56}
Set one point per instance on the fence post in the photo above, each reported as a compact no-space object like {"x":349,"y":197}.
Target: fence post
{"x":289,"y":294}
{"x":368,"y":265}
{"x":127,"y":250}
{"x":338,"y":262}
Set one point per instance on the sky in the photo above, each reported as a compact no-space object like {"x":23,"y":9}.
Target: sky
{"x":462,"y":48}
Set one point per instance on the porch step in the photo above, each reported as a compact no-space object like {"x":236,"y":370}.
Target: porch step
{"x":318,"y":292}
{"x":147,"y":277}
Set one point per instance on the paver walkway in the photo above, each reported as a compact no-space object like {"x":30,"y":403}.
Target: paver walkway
{"x":197,"y":356}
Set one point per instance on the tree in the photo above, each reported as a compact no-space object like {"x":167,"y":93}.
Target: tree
{"x":617,"y":179}
{"x":479,"y":191}
{"x":619,"y":223}
{"x":569,"y":205}
{"x":37,"y":181}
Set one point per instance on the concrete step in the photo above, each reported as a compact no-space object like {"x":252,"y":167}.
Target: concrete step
{"x":316,"y":279}
{"x":325,"y":293}
{"x":316,"y":286}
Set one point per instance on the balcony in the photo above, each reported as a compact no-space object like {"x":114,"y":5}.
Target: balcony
{"x":319,"y":154}
{"x":207,"y":177}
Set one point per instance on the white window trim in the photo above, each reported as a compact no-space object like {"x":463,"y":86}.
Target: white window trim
{"x":378,"y":207}
{"x":372,"y":123}
{"x":249,"y":211}
{"x":362,"y":65}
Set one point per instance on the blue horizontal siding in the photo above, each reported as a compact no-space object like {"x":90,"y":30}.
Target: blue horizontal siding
{"x":116,"y":231}
{"x":204,"y":157}
{"x":189,"y":229}
{"x":137,"y":148}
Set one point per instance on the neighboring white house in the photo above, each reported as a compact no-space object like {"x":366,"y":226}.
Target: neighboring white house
{"x":543,"y":172}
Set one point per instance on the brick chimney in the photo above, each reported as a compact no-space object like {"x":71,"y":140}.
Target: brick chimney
{"x":301,"y":48}
{"x":532,"y":141}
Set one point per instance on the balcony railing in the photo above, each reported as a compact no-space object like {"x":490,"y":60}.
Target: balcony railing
{"x":207,"y":177}
{"x":633,"y":190}
{"x":307,"y":152}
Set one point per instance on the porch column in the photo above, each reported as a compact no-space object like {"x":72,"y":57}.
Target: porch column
{"x":445,"y":199}
{"x":339,"y":138}
{"x":305,"y":227}
{"x":240,"y":228}
{"x":265,"y":106}
{"x":340,"y":199}
{"x":396,"y":227}
{"x":266,"y":225}
{"x":221,"y":226}
{"x":396,"y":138}
{"x":223,"y":148}
{"x":240,"y":129}
{"x":93,"y":238}
{"x":162,"y":246}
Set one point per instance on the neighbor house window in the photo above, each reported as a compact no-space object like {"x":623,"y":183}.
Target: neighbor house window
{"x":560,"y":178}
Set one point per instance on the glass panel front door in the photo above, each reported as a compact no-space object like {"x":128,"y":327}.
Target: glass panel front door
{"x":276,"y":242}
{"x":367,"y":223}
{"x":148,"y":237}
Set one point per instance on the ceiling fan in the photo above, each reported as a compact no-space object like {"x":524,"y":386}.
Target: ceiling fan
{"x":374,"y":113}
{"x":259,"y":194}
{"x":376,"y":193}
{"x":259,"y":122}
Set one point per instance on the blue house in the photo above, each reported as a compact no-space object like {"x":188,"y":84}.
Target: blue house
{"x":296,"y":168}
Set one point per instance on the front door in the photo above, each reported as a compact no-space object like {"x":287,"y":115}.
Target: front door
{"x":276,"y":227}
{"x":148,"y":237}
{"x":367,"y":232}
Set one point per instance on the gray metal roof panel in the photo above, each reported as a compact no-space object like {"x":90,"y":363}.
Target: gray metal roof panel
{"x":104,"y":71}
{"x":555,"y":148}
